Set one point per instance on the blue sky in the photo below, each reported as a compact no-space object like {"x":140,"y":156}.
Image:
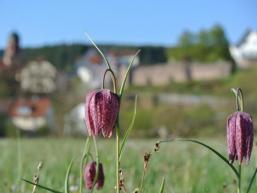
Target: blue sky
{"x":119,"y":21}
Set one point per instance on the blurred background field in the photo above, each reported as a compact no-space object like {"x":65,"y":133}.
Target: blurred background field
{"x":186,"y":167}
{"x":192,"y":54}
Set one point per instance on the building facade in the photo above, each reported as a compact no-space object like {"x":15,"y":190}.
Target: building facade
{"x":245,"y":51}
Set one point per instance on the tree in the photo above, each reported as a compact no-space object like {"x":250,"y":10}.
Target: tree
{"x":186,"y":39}
{"x":205,"y":46}
{"x":218,"y":37}
{"x":204,"y":38}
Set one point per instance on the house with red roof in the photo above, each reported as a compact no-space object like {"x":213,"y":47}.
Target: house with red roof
{"x":31,"y":114}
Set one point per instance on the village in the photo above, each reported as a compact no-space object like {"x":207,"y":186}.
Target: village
{"x":33,"y":85}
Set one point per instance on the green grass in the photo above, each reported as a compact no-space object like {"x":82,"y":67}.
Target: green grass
{"x":187,"y":167}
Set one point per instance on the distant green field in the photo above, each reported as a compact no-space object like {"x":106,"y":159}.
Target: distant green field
{"x":187,"y":167}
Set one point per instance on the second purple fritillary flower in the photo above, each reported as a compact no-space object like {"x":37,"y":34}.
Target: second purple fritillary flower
{"x":90,"y":174}
{"x":101,"y":111}
{"x":239,"y":136}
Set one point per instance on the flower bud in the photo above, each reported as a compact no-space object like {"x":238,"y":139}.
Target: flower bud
{"x":100,"y":179}
{"x":239,"y":136}
{"x":90,"y":175}
{"x":101,"y":110}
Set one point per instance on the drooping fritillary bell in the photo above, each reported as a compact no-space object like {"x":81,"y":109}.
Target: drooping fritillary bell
{"x":239,"y":136}
{"x":90,"y":175}
{"x":101,"y":112}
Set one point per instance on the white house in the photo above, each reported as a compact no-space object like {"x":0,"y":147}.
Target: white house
{"x":75,"y":121}
{"x":31,"y":114}
{"x":90,"y":69}
{"x":245,"y":52}
{"x":91,"y":66}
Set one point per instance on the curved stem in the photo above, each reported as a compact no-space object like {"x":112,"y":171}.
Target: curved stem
{"x":208,"y":147}
{"x":113,"y":79}
{"x":96,"y":150}
{"x":142,"y":182}
{"x":84,"y":160}
{"x":239,"y":99}
{"x":66,"y":184}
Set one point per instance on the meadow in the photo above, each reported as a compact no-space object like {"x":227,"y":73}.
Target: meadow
{"x":186,"y":167}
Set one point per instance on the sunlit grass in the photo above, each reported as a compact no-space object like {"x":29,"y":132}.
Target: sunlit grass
{"x":187,"y":167}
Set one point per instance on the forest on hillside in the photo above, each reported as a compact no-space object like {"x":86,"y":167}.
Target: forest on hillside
{"x":205,"y":46}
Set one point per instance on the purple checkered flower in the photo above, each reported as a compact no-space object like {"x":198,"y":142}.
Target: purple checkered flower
{"x":239,"y":136}
{"x":90,"y":175}
{"x":101,"y":110}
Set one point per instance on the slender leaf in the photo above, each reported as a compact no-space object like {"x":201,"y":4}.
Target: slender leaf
{"x":66,"y":184}
{"x":251,"y":182}
{"x":127,"y":72}
{"x":19,"y":156}
{"x":98,"y":49}
{"x":208,"y":147}
{"x":162,"y":186}
{"x":124,"y":140}
{"x":42,"y":187}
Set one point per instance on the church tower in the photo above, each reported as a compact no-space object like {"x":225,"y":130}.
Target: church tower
{"x":11,"y":56}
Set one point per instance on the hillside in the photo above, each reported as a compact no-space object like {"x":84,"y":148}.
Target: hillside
{"x":63,"y":56}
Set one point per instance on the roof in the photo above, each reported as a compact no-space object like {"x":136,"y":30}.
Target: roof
{"x":30,"y":107}
{"x":119,"y":53}
{"x":245,"y":35}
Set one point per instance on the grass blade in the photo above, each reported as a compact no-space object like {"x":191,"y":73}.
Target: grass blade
{"x":19,"y":156}
{"x":42,"y":187}
{"x":124,"y":140}
{"x":208,"y":147}
{"x":251,"y":182}
{"x":127,"y":72}
{"x":162,"y":186}
{"x":66,"y":184}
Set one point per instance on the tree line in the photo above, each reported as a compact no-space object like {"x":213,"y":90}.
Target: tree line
{"x":209,"y":45}
{"x":64,"y":56}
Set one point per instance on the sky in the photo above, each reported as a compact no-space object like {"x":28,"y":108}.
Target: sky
{"x":156,"y":22}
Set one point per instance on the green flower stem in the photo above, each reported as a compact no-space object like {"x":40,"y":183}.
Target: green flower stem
{"x":66,"y":184}
{"x":84,"y":160}
{"x":113,"y":79}
{"x":239,"y":179}
{"x":97,"y":163}
{"x":142,"y":181}
{"x":206,"y":146}
{"x":239,"y":98}
{"x":117,"y":159}
{"x":96,"y":150}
